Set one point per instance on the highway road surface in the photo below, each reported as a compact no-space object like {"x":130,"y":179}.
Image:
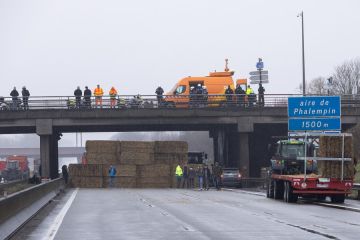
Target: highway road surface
{"x":185,"y":214}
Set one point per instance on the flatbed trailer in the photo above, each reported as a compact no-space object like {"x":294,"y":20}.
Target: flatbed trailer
{"x":290,"y":187}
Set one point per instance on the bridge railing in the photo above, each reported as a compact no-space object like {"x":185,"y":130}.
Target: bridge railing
{"x":153,"y":101}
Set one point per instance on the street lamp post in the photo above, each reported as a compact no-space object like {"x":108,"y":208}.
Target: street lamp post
{"x":303,"y":50}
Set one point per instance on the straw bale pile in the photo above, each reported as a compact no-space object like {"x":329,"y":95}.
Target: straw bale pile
{"x":331,"y":146}
{"x":138,"y":164}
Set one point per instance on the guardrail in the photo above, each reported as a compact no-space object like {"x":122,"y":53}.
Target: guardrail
{"x":12,"y":208}
{"x":153,"y":101}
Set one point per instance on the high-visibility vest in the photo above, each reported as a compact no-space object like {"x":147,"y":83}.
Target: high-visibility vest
{"x":178,"y":171}
{"x":249,"y":91}
{"x":98,"y":92}
{"x":112,"y":92}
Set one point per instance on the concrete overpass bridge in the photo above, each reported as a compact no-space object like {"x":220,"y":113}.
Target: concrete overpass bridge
{"x":240,"y":134}
{"x":35,"y":152}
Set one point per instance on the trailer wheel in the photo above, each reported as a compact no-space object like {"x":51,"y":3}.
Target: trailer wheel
{"x":278,"y":190}
{"x":292,"y":198}
{"x":270,"y":189}
{"x":338,"y":198}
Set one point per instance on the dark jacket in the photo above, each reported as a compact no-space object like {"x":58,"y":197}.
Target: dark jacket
{"x":261,"y":90}
{"x":87,"y":93}
{"x":185,"y":172}
{"x":217,"y":171}
{"x":25,"y":93}
{"x":78,"y":93}
{"x":159,"y":91}
{"x":14,"y":93}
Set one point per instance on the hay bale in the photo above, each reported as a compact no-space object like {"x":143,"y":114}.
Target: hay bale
{"x":102,"y":146}
{"x":171,"y":158}
{"x":86,"y":170}
{"x":122,"y":170}
{"x":154,"y":171}
{"x":171,"y":147}
{"x":137,"y":146}
{"x":138,"y":158}
{"x":86,"y":182}
{"x":102,"y":158}
{"x":331,"y":146}
{"x":120,"y":182}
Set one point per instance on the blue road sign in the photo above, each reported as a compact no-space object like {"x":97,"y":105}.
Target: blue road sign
{"x":319,"y":106}
{"x":314,"y":124}
{"x":260,"y":65}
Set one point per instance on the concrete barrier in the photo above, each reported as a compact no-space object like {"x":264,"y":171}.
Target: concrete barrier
{"x":4,"y":186}
{"x":18,"y":208}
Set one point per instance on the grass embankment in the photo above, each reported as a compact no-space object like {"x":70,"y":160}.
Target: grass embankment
{"x":16,"y":188}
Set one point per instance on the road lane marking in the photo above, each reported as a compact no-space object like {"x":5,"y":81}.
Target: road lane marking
{"x":50,"y":235}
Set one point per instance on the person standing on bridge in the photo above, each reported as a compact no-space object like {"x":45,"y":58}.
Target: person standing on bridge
{"x":113,"y":93}
{"x":98,"y":93}
{"x":159,"y":95}
{"x":261,"y":91}
{"x":250,"y":95}
{"x":112,"y":175}
{"x":240,"y":95}
{"x":78,"y":95}
{"x":25,"y":96}
{"x":14,"y":94}
{"x":178,"y":174}
{"x":229,"y":95}
{"x":87,"y":97}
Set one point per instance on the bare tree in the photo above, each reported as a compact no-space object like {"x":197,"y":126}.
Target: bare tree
{"x":346,"y":78}
{"x":317,"y":86}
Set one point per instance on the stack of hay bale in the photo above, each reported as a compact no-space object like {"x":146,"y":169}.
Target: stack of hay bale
{"x":138,"y":164}
{"x":331,"y":146}
{"x":86,"y":176}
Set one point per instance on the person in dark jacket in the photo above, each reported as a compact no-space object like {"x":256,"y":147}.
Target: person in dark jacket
{"x":229,"y":92}
{"x":261,"y":91}
{"x":159,"y":95}
{"x":240,"y":96}
{"x":217,"y":175}
{"x":185,"y":182}
{"x":87,"y":97}
{"x":78,"y":95}
{"x":25,"y":96}
{"x":14,"y":94}
{"x":200,"y":175}
{"x":65,"y":173}
{"x":192,"y":174}
{"x":207,"y":177}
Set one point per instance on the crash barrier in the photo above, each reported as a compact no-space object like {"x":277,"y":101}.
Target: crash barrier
{"x":152,"y":101}
{"x":18,"y":208}
{"x":253,"y":183}
{"x":5,"y":186}
{"x":356,"y":187}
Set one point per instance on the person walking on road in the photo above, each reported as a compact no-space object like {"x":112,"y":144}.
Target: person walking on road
{"x":159,"y":95}
{"x":87,"y":97}
{"x":25,"y":96}
{"x":178,"y":174}
{"x":200,"y":174}
{"x":217,"y":175}
{"x":261,"y":92}
{"x":14,"y":94}
{"x":78,"y":95}
{"x":112,"y":175}
{"x":185,"y":183}
{"x":65,"y":173}
{"x":98,"y":93}
{"x":113,"y":94}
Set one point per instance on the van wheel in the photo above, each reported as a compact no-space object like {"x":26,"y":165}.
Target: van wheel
{"x":338,"y":198}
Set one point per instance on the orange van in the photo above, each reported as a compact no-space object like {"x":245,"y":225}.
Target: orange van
{"x":216,"y":84}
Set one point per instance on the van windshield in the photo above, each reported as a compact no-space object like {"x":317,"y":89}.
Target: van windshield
{"x":178,"y":89}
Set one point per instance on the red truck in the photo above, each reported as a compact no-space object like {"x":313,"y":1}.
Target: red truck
{"x":14,"y":168}
{"x":294,"y":174}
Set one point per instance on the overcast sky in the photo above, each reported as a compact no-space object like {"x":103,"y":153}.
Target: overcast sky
{"x":53,"y":46}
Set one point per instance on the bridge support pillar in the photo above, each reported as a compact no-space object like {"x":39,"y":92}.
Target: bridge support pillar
{"x":220,"y":144}
{"x":244,"y":155}
{"x":48,"y":148}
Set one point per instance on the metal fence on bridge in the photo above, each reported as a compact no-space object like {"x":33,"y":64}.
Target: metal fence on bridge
{"x":153,"y":101}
